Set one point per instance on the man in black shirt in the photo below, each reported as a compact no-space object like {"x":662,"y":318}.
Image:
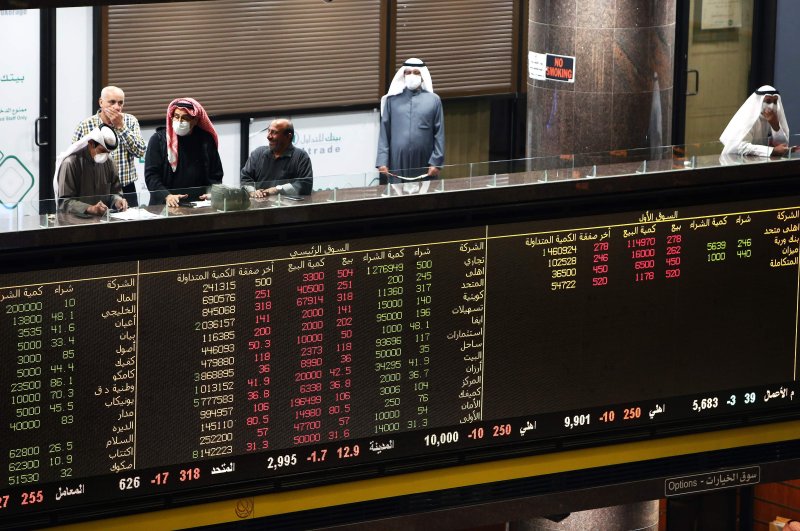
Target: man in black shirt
{"x":279,"y":168}
{"x":182,"y":159}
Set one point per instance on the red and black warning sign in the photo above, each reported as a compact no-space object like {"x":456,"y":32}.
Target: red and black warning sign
{"x":551,"y":66}
{"x":560,"y":68}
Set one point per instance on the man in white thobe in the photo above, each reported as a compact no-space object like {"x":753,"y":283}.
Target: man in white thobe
{"x":411,"y":141}
{"x":759,"y":126}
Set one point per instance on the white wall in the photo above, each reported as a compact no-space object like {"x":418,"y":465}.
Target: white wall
{"x":787,"y":75}
{"x":229,"y":150}
{"x":19,"y":108}
{"x":73,"y":72}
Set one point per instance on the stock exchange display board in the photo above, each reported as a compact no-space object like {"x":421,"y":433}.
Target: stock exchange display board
{"x":141,"y":378}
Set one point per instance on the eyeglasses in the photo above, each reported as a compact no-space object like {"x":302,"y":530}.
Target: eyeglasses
{"x":273,"y":132}
{"x":182,"y":117}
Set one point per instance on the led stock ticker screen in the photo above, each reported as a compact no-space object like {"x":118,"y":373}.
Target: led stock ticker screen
{"x":161,"y":375}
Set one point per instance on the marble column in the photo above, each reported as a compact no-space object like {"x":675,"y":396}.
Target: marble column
{"x":622,"y":94}
{"x":641,"y":516}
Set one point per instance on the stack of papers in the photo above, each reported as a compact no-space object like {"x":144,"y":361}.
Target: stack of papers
{"x":133,"y":214}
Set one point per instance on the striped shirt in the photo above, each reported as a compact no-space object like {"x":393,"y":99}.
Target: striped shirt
{"x":131,"y":144}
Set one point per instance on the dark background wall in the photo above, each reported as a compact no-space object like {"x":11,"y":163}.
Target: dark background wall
{"x":787,"y":61}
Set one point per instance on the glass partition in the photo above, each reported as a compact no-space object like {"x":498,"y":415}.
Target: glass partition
{"x":35,"y":214}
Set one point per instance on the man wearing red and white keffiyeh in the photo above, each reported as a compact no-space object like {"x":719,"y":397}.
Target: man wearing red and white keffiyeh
{"x":182,"y":158}
{"x":195,"y":111}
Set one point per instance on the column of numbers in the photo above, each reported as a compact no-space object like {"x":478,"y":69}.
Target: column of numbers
{"x":388,"y":346}
{"x":744,"y":248}
{"x":62,"y":366}
{"x":61,"y":381}
{"x":419,"y":359}
{"x":642,"y":253}
{"x":307,"y":413}
{"x":600,"y":263}
{"x":213,"y":382}
{"x":259,"y":390}
{"x":716,"y":251}
{"x":672,"y":261}
{"x":341,"y":372}
{"x":26,"y":393}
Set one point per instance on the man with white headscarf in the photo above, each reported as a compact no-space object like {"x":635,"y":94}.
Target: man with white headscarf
{"x":759,"y":126}
{"x":411,"y":141}
{"x":86,"y":178}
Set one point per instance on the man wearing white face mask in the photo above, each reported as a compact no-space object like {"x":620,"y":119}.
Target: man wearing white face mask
{"x":182,"y":159}
{"x":759,"y":126}
{"x":86,"y":178}
{"x":411,"y":141}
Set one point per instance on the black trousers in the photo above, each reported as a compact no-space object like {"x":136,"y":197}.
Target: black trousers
{"x":129,"y":193}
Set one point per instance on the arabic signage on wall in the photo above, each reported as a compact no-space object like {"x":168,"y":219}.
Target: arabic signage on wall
{"x":19,"y":103}
{"x":342,"y":147}
{"x":550,"y":66}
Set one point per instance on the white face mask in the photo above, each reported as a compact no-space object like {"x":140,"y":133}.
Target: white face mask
{"x":101,"y":158}
{"x":413,"y":81}
{"x":772,"y":106}
{"x":181,"y":128}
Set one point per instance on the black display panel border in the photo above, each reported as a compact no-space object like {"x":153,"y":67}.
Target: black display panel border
{"x":609,"y":202}
{"x":532,"y":497}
